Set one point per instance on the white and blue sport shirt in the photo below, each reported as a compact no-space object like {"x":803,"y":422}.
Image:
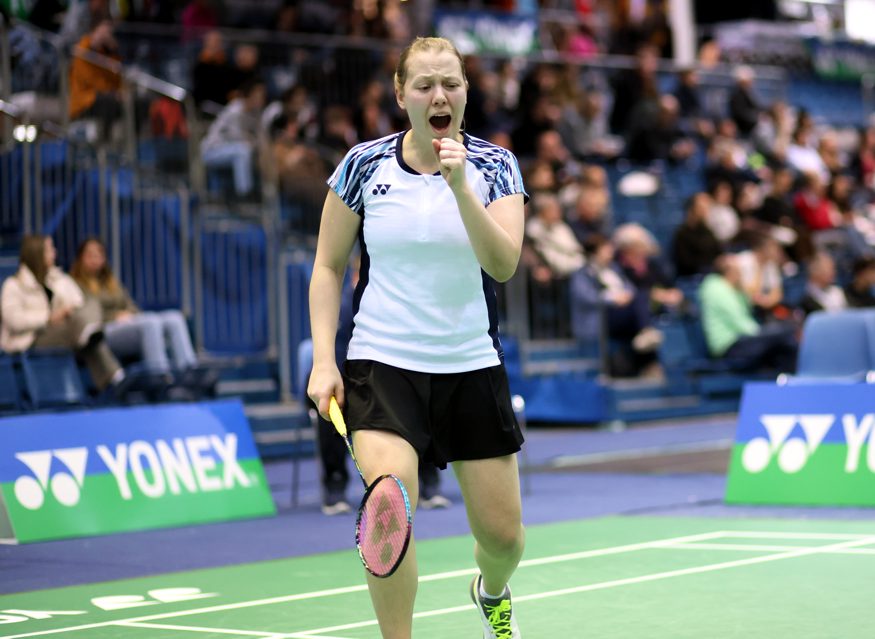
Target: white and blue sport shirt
{"x":422,"y":302}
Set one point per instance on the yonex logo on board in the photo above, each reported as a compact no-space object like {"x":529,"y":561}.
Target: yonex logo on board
{"x":181,"y":465}
{"x":65,"y":485}
{"x":381,"y":189}
{"x":793,"y":450}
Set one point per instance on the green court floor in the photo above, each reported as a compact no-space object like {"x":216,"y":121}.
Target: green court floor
{"x":619,"y":577}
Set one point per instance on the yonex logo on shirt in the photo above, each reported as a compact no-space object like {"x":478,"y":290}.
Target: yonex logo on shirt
{"x":381,"y":189}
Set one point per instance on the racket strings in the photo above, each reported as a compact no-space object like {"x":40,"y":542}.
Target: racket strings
{"x":384,"y":527}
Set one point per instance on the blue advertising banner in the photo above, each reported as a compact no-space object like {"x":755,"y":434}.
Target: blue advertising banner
{"x":102,"y":471}
{"x":806,"y":444}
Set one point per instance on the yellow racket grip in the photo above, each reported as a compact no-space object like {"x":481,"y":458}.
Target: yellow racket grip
{"x":336,"y":416}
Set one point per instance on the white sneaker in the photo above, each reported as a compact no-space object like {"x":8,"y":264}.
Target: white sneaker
{"x":434,"y":502}
{"x":496,"y":616}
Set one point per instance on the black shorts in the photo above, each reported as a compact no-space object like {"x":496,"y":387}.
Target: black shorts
{"x":445,"y":416}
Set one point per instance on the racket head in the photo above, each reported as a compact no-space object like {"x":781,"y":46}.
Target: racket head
{"x":383,"y":526}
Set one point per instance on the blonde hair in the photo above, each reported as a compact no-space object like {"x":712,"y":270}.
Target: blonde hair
{"x":420,"y":45}
{"x":103,"y":280}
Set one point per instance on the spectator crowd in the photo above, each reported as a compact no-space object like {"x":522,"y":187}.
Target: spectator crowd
{"x":777,"y":196}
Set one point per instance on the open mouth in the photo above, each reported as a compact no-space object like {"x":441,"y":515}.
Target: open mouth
{"x":440,"y":122}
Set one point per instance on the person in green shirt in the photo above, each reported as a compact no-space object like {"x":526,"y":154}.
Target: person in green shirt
{"x":732,"y":333}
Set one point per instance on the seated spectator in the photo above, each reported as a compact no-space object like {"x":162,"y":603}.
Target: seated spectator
{"x":632,"y":87}
{"x":584,"y":128}
{"x":812,"y":205}
{"x":638,"y":257}
{"x":821,"y":292}
{"x":550,"y":148}
{"x":863,"y":160}
{"x":803,"y":157}
{"x":551,"y":238}
{"x":590,"y":214}
{"x":695,"y":247}
{"x":658,"y":136}
{"x":694,"y":118}
{"x":95,"y":85}
{"x":722,"y":217}
{"x":197,"y":16}
{"x":761,"y":278}
{"x":728,"y":161}
{"x":778,"y":213}
{"x":295,"y":161}
{"x":860,"y":291}
{"x":212,"y":80}
{"x":78,"y":19}
{"x":337,"y":135}
{"x":774,"y":132}
{"x":245,"y":69}
{"x":43,"y":308}
{"x":743,"y":106}
{"x":831,"y":154}
{"x":732,"y":332}
{"x":233,"y":138}
{"x":131,"y":333}
{"x":600,"y":292}
{"x":539,"y":176}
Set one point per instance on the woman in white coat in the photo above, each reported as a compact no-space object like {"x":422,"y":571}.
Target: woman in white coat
{"x":42,"y":307}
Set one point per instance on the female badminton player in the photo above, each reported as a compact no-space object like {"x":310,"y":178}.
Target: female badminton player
{"x":438,"y":216}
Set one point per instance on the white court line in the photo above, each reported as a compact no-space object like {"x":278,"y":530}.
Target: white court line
{"x":434,"y":577}
{"x":765,"y":548}
{"x":363,"y":587}
{"x":225,"y":631}
{"x":219,"y":631}
{"x":751,"y":534}
{"x":799,"y":552}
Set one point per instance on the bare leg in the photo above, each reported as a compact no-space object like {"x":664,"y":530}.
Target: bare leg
{"x":379,"y":453}
{"x":492,"y":499}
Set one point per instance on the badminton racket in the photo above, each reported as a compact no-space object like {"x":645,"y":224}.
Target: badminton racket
{"x":384,"y":521}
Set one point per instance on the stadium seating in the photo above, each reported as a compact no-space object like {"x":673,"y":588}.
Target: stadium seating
{"x":10,"y":401}
{"x":52,"y":379}
{"x":836,"y":348}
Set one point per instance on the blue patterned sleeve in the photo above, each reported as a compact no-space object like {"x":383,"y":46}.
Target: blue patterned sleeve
{"x":507,"y":179}
{"x":346,"y":181}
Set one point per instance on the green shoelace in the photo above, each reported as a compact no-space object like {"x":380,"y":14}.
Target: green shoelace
{"x":499,"y":618}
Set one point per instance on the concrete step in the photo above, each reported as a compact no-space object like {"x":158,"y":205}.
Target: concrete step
{"x":281,"y":429}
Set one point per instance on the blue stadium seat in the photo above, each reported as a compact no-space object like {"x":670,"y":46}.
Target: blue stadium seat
{"x":10,"y":398}
{"x":52,"y":379}
{"x":836,"y":348}
{"x":8,"y":267}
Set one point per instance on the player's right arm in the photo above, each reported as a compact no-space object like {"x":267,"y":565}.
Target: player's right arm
{"x":337,"y":234}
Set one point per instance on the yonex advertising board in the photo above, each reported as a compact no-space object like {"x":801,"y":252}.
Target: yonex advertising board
{"x":104,"y":471}
{"x":804,"y":445}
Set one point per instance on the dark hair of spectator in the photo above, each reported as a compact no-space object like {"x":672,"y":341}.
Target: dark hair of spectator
{"x":863,"y":264}
{"x":249,"y":86}
{"x":33,"y":256}
{"x":593,"y":242}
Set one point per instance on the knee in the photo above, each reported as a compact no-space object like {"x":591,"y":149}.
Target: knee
{"x":150,"y":323}
{"x":503,"y":540}
{"x":173,"y":318}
